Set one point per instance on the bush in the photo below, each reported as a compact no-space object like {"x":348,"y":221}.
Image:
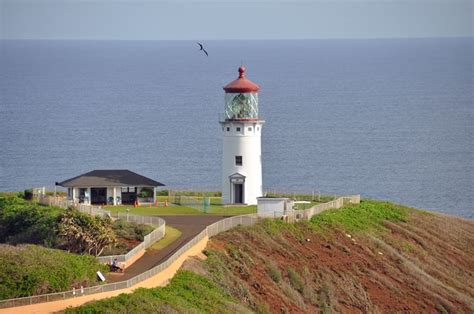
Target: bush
{"x":27,"y":270}
{"x":295,"y":280}
{"x":28,"y":194}
{"x":82,"y":233}
{"x":131,"y":230}
{"x":22,"y":221}
{"x":145,"y":192}
{"x":274,"y":272}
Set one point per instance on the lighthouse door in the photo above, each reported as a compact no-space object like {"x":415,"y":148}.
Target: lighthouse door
{"x":238,"y":193}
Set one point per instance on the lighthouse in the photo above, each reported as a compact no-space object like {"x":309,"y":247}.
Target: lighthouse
{"x":241,"y":152}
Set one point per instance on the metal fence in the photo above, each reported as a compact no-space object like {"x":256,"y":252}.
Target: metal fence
{"x":211,"y":230}
{"x":200,"y":203}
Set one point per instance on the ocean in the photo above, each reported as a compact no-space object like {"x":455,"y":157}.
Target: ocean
{"x":387,"y":118}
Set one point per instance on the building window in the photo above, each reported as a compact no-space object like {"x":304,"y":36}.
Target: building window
{"x":258,"y":129}
{"x":250,"y":129}
{"x":238,"y":160}
{"x":129,"y":189}
{"x":238,"y":129}
{"x":228,"y":129}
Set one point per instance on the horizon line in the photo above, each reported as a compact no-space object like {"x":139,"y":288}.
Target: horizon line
{"x":238,"y":39}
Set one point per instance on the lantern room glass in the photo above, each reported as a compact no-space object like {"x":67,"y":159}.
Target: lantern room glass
{"x":241,"y":106}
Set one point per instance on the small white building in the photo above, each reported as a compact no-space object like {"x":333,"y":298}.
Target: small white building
{"x":241,"y":153}
{"x":273,"y":207}
{"x":110,"y":187}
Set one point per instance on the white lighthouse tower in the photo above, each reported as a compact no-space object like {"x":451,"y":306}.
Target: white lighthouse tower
{"x":242,"y":152}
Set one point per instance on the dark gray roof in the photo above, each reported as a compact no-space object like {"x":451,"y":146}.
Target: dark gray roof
{"x":104,"y":178}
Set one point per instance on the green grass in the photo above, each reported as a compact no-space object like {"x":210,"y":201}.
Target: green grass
{"x":182,"y":210}
{"x":186,"y":293}
{"x":27,"y":270}
{"x":367,"y":215}
{"x":171,"y":234}
{"x":23,"y":221}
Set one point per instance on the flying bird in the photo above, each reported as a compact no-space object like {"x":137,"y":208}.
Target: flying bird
{"x":202,"y":48}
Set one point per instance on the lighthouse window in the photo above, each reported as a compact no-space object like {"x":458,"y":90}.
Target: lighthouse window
{"x":250,"y":128}
{"x":238,"y":129}
{"x":238,"y":160}
{"x":228,"y":129}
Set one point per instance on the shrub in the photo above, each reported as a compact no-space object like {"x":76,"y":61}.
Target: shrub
{"x":27,"y":270}
{"x":131,"y":230}
{"x":295,"y":280}
{"x":22,"y":221}
{"x":273,"y":272}
{"x":28,"y":194}
{"x":145,"y":192}
{"x":82,"y":233}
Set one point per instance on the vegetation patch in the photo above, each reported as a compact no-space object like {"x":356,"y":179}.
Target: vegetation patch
{"x":364,"y":216}
{"x":82,"y":233}
{"x":27,"y":270}
{"x":23,"y":221}
{"x":186,"y":293}
{"x":273,"y":272}
{"x":295,"y":280}
{"x":131,"y":230}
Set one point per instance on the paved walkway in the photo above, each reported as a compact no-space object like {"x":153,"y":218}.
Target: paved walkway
{"x":189,"y":225}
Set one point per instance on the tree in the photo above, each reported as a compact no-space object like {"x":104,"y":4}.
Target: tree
{"x":82,"y":233}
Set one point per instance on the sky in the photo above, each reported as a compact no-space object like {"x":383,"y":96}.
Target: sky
{"x":225,"y":19}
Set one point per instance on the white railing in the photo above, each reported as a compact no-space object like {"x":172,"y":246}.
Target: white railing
{"x":211,"y":230}
{"x":317,"y":209}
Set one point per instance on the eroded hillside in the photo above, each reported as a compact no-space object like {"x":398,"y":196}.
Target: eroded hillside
{"x":373,"y":257}
{"x":416,"y":262}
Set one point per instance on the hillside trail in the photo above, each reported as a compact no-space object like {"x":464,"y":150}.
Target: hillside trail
{"x":189,"y":225}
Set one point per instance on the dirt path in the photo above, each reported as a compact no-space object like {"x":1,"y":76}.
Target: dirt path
{"x":188,"y":225}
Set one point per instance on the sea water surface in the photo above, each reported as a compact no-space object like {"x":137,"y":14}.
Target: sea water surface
{"x":390,"y":119}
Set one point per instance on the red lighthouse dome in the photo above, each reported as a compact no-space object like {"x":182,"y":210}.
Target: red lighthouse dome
{"x":241,"y":84}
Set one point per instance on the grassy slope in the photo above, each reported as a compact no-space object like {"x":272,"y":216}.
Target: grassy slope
{"x":373,"y":257}
{"x":187,"y":292}
{"x":30,"y":269}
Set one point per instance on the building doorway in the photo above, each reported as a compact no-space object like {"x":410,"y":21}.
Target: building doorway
{"x":238,"y":193}
{"x":129,"y":195}
{"x":98,"y":196}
